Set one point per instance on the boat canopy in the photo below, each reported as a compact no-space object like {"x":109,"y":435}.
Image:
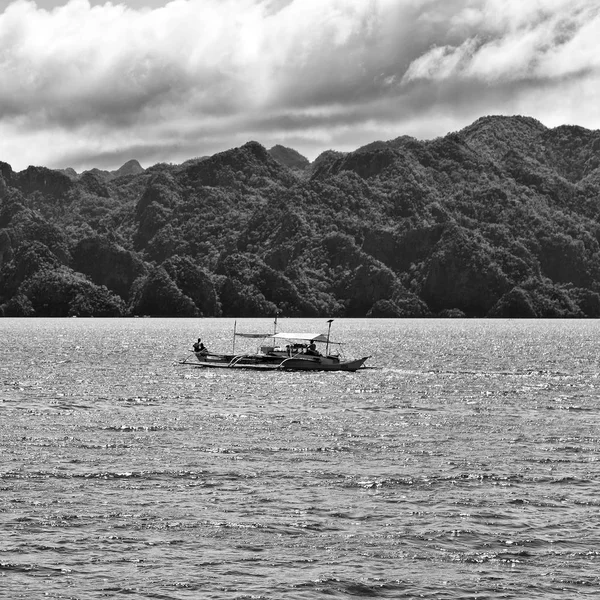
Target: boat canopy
{"x":306,"y":337}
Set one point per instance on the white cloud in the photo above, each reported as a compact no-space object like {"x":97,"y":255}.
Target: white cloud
{"x":84,"y":83}
{"x":510,"y":41}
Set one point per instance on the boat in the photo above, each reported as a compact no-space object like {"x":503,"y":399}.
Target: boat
{"x":298,"y":351}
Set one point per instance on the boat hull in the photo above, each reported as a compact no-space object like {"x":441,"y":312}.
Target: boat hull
{"x":281,"y":363}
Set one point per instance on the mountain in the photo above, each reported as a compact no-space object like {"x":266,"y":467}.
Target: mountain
{"x":289,"y":157}
{"x":131,"y":167}
{"x":499,"y":219}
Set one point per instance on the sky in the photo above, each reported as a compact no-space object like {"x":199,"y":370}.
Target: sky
{"x":94,"y":84}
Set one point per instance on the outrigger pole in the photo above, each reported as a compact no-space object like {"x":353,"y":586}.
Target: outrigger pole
{"x":328,"y":332}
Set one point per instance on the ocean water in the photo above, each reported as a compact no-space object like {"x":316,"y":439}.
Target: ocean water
{"x":463,"y":465}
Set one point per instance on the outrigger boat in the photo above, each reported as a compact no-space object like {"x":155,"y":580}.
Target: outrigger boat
{"x":282,"y":351}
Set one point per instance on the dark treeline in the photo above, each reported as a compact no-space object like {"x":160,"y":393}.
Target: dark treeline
{"x":499,"y":219}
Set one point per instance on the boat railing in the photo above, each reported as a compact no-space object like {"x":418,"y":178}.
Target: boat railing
{"x":305,"y":357}
{"x":236,"y":359}
{"x":184,"y":361}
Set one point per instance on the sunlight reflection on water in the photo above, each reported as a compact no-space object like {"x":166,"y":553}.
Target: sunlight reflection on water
{"x":463,"y":465}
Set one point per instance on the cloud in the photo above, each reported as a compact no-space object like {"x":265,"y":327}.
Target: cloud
{"x":81,"y":83}
{"x":511,"y":41}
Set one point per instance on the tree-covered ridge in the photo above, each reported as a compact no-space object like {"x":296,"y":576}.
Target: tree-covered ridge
{"x":498,"y":219}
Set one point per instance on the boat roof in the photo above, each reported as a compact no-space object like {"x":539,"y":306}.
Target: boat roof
{"x":302,"y":336}
{"x":306,"y":337}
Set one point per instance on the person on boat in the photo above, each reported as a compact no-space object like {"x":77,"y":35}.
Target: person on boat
{"x":312,"y":349}
{"x":199,"y":346}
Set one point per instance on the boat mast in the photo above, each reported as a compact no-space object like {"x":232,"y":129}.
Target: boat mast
{"x":275,"y":323}
{"x":233,"y":345}
{"x":328,"y":333}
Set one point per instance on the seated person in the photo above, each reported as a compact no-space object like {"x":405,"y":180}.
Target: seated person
{"x":200,"y":347}
{"x":312,"y":349}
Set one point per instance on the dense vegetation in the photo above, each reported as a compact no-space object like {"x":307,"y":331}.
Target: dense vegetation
{"x":499,"y":219}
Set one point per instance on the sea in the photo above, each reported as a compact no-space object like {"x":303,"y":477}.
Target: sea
{"x":462,"y":464}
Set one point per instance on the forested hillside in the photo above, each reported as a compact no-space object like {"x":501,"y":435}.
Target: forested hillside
{"x":498,"y":220}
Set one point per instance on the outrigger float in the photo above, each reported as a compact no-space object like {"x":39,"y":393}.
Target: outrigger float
{"x":282,"y":351}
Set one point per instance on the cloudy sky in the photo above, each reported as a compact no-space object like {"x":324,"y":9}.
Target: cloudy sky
{"x":88,"y":83}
